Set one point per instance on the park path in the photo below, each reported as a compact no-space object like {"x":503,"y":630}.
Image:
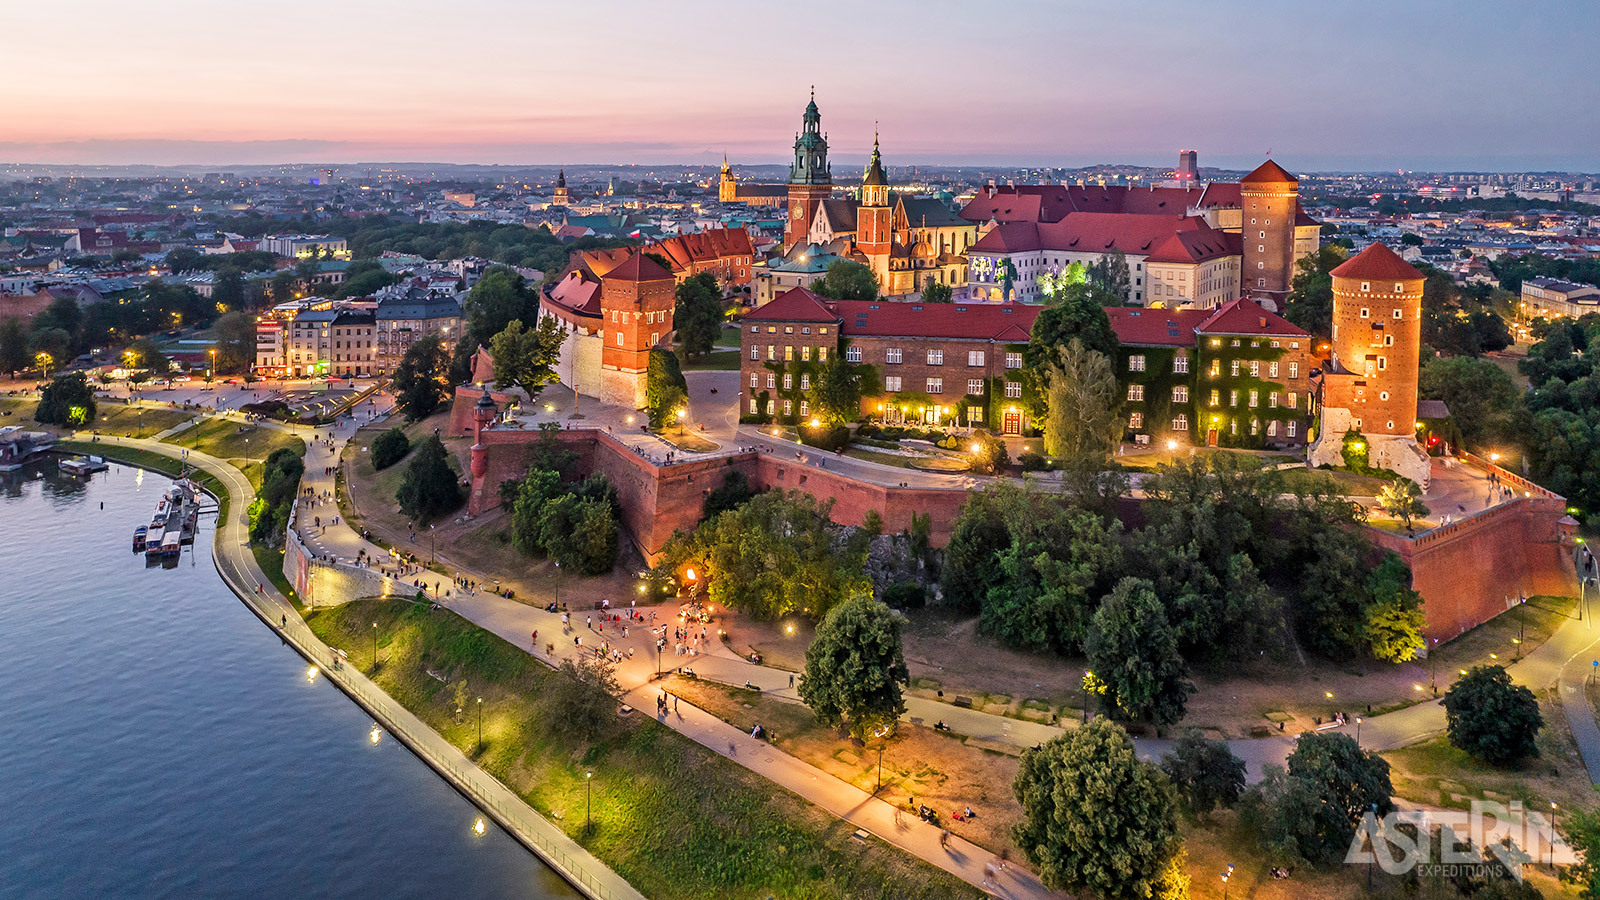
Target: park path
{"x":238,"y":567}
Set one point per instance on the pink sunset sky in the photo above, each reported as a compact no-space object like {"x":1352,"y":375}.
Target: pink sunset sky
{"x":1407,"y":83}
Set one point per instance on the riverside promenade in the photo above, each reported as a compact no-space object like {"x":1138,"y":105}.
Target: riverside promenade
{"x":237,"y":566}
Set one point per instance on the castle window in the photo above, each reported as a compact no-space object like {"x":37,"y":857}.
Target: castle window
{"x":1233,"y":368}
{"x":1272,"y":400}
{"x":935,"y":357}
{"x":1180,"y":423}
{"x":772,"y":352}
{"x":1366,"y":313}
{"x":822,"y":330}
{"x":1272,"y":370}
{"x":1233,"y":398}
{"x":1263,"y":234}
{"x":1255,"y":368}
{"x":1180,"y":365}
{"x":822,"y":354}
{"x":788,"y":352}
{"x":805,"y":382}
{"x":1272,"y":428}
{"x":1135,"y":392}
{"x":1180,"y":394}
{"x":1136,"y":420}
{"x":1388,"y":340}
{"x":788,"y":381}
{"x":975,"y":386}
{"x":772,"y":381}
{"x":1136,"y":363}
{"x":655,"y":338}
{"x":1255,"y":400}
{"x":754,"y":404}
{"x":1013,"y":360}
{"x":1292,"y":427}
{"x":1216,"y":368}
{"x":805,"y":354}
{"x":755,"y":379}
{"x":1293,"y":398}
{"x":1255,"y":425}
{"x":892,"y":356}
{"x":1261,"y":248}
{"x":1383,"y":363}
{"x":852,"y":354}
{"x":805,"y":408}
{"x":1013,"y":389}
{"x":755,"y":329}
{"x":772,"y":329}
{"x":1383,"y":395}
{"x":1399,"y":288}
{"x":891,"y":383}
{"x":935,"y":385}
{"x":619,"y":339}
{"x":788,"y":407}
{"x":1366,"y":286}
{"x":1397,"y":315}
{"x":974,"y":357}
{"x":806,"y":330}
{"x":1216,"y":398}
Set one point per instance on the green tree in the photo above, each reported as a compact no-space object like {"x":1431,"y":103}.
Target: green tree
{"x":430,"y":487}
{"x":236,"y":342}
{"x":67,"y":400}
{"x":1410,"y":239}
{"x":937,"y":292}
{"x":971,"y":558}
{"x":1309,"y":811}
{"x":1084,"y":402}
{"x":1110,"y":273}
{"x":734,"y":491}
{"x":989,"y":454}
{"x":579,"y":533}
{"x":583,"y":701}
{"x":772,"y":556}
{"x":1393,"y":615}
{"x":1480,"y":394}
{"x":1206,"y":773}
{"x":1096,"y":819}
{"x":227,"y":288}
{"x":666,"y":391}
{"x":836,"y":394}
{"x":527,"y":358}
{"x":144,"y":354}
{"x":500,"y":297}
{"x":854,"y":668}
{"x":1310,"y":303}
{"x":1054,"y":285}
{"x":847,"y":280}
{"x":1402,"y":499}
{"x":14,"y":356}
{"x":1582,"y":832}
{"x":389,"y":448}
{"x":51,"y":348}
{"x":698,"y":315}
{"x":283,"y":286}
{"x":420,"y":386}
{"x":533,"y":492}
{"x":1134,"y":651}
{"x":280,"y":484}
{"x":1491,"y":718}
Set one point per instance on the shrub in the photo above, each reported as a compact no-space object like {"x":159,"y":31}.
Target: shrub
{"x":905,"y":595}
{"x":1034,"y":462}
{"x":389,"y":448}
{"x":825,"y":438}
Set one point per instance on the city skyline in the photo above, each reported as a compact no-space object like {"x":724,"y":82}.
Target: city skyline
{"x":1037,"y":86}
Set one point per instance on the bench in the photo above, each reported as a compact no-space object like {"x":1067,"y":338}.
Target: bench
{"x":964,"y":701}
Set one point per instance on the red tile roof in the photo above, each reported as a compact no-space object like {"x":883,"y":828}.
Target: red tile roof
{"x":1269,"y":172}
{"x":1155,"y":327}
{"x":685,"y":250}
{"x":638,"y":267}
{"x":1196,"y":245}
{"x":793,"y":305}
{"x":1089,"y":232}
{"x":1377,"y":263}
{"x":1245,"y":316}
{"x":955,"y":321}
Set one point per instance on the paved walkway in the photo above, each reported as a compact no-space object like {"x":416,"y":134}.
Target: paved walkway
{"x":238,"y":568}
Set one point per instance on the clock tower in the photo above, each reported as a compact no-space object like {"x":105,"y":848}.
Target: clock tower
{"x":810,"y":177}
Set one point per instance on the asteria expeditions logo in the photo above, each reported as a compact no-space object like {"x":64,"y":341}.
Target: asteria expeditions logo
{"x":1489,"y":836}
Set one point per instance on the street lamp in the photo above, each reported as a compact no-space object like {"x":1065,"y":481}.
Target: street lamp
{"x":374,"y":646}
{"x":1553,"y":835}
{"x":1358,"y":732}
{"x":480,"y":724}
{"x":683,"y":413}
{"x":431,"y":545}
{"x":1225,"y":876}
{"x":880,"y":771}
{"x":588,"y":802}
{"x":212,"y":370}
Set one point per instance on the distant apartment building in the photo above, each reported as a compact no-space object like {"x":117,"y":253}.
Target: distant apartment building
{"x":1552,"y":298}
{"x":296,"y":246}
{"x":403,"y":321}
{"x":337,"y":341}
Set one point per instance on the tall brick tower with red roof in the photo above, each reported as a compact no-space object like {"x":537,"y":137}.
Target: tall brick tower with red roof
{"x":810,"y":176}
{"x":1269,"y":197}
{"x":1371,"y":382}
{"x":636,"y":301}
{"x":874,"y":218}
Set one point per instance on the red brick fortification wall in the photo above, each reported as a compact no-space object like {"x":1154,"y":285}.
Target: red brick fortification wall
{"x":463,"y":409}
{"x":657,"y":500}
{"x":1471,"y":571}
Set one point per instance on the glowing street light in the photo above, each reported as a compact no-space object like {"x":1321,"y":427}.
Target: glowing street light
{"x":588,"y":802}
{"x":480,"y":724}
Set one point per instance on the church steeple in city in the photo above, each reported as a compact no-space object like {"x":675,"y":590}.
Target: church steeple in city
{"x":810,"y":176}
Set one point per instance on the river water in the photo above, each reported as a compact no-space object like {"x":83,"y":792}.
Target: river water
{"x":156,"y":740}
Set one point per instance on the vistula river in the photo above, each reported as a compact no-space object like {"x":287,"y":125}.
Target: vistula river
{"x":156,"y":740}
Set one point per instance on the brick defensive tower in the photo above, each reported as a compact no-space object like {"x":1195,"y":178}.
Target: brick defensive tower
{"x":1269,"y":197}
{"x":636,"y":303}
{"x":1371,"y":382}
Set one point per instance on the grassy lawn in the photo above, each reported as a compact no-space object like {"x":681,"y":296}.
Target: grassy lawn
{"x":271,"y":562}
{"x":135,"y":421}
{"x":1347,"y":483}
{"x":670,"y":816}
{"x":1147,"y":459}
{"x":687,"y":439}
{"x":230,"y":440}
{"x":725,"y":360}
{"x":888,"y":459}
